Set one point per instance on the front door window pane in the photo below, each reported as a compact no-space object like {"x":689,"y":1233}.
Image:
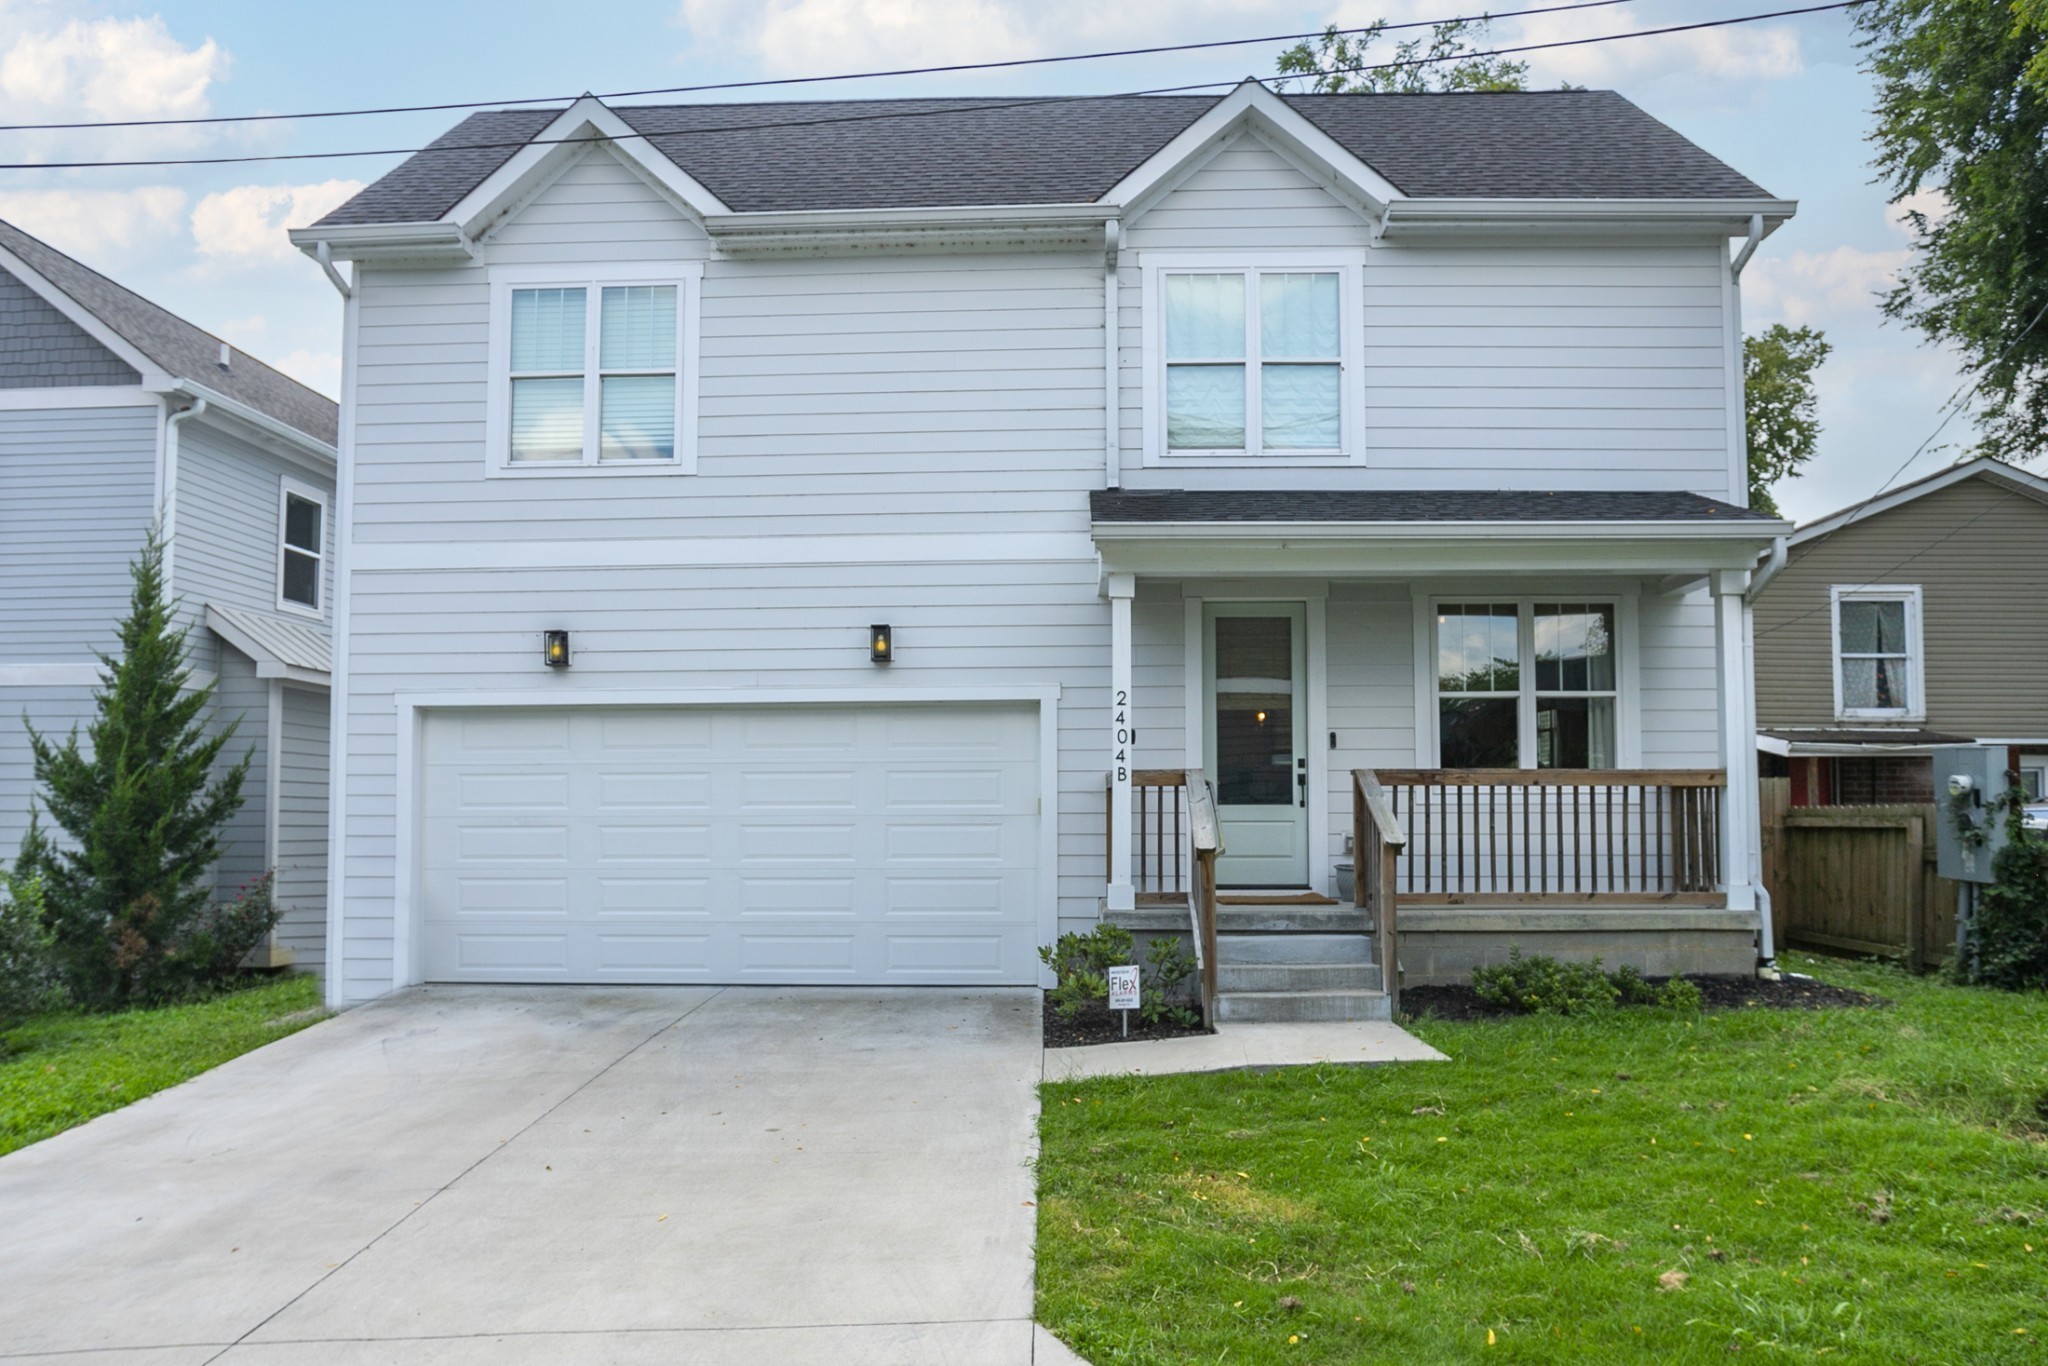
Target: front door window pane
{"x":1254,"y":711}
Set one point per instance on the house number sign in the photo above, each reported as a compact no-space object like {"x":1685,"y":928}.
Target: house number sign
{"x":1121,"y":729}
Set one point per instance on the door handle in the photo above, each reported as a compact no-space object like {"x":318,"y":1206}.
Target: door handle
{"x":1301,"y":782}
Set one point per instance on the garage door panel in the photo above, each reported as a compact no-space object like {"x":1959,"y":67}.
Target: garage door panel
{"x":688,"y":846}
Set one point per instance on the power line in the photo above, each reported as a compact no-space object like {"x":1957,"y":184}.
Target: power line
{"x":1040,"y":102}
{"x":800,"y":80}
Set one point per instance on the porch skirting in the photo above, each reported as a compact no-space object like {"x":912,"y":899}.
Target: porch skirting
{"x":1441,"y":945}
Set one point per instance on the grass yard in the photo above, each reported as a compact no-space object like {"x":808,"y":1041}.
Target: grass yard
{"x":64,"y":1068}
{"x":1865,"y":1185}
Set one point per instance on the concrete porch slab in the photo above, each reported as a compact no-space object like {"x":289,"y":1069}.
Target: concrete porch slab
{"x":1243,"y":1045}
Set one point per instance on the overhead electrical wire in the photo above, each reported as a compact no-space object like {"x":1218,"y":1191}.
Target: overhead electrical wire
{"x":803,"y":80}
{"x":1036,"y":102}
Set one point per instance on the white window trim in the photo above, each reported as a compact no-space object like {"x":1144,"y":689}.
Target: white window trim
{"x":1916,"y":655}
{"x":1628,"y":730}
{"x":287,"y":489}
{"x":1349,"y":268}
{"x":686,"y":276}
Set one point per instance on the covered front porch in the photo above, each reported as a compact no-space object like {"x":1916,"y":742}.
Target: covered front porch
{"x":1441,"y":736}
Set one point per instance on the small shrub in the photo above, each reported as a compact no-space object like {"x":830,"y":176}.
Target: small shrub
{"x":1081,"y":964}
{"x":1540,"y":985}
{"x":1537,"y":984}
{"x":28,"y":979}
{"x":2009,"y":939}
{"x":226,"y":933}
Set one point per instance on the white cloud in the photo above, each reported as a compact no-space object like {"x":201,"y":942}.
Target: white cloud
{"x":110,"y":69}
{"x":87,"y":221}
{"x":1718,"y":54}
{"x":315,"y":369}
{"x":1933,"y":203}
{"x":809,"y":37}
{"x":1820,"y":287}
{"x":248,"y":223}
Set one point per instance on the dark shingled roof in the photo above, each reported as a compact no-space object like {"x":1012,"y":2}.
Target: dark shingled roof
{"x":1142,"y":506}
{"x":1904,"y":735}
{"x":180,"y":349}
{"x":852,"y":154}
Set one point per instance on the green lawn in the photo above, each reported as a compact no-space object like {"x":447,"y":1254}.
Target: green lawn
{"x":1868,"y":1185}
{"x":63,"y":1068}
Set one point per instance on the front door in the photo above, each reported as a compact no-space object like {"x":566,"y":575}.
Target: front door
{"x":1256,"y":661}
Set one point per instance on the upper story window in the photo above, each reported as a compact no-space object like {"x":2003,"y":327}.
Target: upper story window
{"x":1526,"y":684}
{"x":1878,"y":666}
{"x":301,"y":547}
{"x":591,"y":375}
{"x":1253,"y":363}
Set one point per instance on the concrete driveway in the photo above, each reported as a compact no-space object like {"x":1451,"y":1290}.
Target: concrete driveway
{"x":512,"y":1175}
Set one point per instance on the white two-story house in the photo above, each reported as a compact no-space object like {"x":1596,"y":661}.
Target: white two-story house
{"x":833,"y":542}
{"x":117,"y":416}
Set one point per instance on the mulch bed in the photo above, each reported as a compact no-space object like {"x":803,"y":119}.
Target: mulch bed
{"x":1721,"y":993}
{"x":1103,"y":1026}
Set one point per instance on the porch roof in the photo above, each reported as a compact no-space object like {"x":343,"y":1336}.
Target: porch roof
{"x":1849,"y":741}
{"x":1154,"y":507}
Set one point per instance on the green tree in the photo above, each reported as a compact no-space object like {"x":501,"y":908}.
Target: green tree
{"x":127,"y":899}
{"x":1447,"y":60}
{"x":1962,"y":108}
{"x":1777,"y":404}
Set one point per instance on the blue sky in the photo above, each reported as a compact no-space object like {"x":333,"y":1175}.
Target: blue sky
{"x":1783,"y":101}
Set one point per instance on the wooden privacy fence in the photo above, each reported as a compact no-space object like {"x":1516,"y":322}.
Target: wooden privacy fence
{"x":1856,"y":879}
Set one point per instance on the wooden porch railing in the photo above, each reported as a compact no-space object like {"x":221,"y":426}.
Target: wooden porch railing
{"x":1515,"y":835}
{"x":1377,"y":840}
{"x":1175,"y":839}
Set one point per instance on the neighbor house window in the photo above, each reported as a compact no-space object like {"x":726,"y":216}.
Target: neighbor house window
{"x":302,"y":532}
{"x":592,"y":375}
{"x":1254,"y":362}
{"x":1877,"y":653}
{"x":1526,"y":684}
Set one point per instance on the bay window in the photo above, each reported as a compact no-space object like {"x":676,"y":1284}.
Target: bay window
{"x":1526,"y":684}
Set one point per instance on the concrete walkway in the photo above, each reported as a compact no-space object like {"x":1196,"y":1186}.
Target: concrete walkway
{"x":513,"y":1176}
{"x":1243,"y":1045}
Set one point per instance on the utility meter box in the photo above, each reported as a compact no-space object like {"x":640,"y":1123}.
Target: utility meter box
{"x":1968,"y":779}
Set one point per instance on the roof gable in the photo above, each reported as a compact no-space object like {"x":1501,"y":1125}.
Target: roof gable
{"x":158,"y":344}
{"x":2009,"y":477}
{"x":42,"y":348}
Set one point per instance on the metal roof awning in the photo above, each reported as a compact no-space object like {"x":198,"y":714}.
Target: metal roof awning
{"x":280,"y":647}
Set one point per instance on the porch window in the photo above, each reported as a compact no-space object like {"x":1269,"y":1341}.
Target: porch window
{"x":1254,"y":362}
{"x":1493,"y":712}
{"x":1877,"y":652}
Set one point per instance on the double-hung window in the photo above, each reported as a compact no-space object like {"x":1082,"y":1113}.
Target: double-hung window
{"x":1526,"y":684}
{"x":592,"y":375}
{"x":1253,"y":363}
{"x":301,"y":546}
{"x":1877,"y":653}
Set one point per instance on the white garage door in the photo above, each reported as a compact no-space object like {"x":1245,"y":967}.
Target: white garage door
{"x":872,"y":845}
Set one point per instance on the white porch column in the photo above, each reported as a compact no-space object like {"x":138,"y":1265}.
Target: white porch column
{"x":1121,"y":895}
{"x":1738,"y":737}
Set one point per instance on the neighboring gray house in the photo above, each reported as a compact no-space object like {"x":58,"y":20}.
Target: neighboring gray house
{"x":1911,"y":620}
{"x":1250,"y":441}
{"x":114,"y":414}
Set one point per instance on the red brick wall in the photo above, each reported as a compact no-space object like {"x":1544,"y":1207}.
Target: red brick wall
{"x":1889,"y":780}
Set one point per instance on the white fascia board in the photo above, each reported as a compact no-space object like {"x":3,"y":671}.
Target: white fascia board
{"x":1731,"y":216}
{"x":1755,"y":531}
{"x":153,"y":376}
{"x":1275,"y":555}
{"x":387,"y":242}
{"x":299,"y":443}
{"x":2018,"y":480}
{"x":845,"y":231}
{"x":583,"y":124}
{"x":1251,"y":103}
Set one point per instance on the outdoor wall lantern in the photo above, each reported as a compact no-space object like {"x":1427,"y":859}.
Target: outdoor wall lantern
{"x":554,"y":651}
{"x":880,"y":648}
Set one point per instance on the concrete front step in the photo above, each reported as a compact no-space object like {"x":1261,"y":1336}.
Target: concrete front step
{"x":1278,"y":1007}
{"x":1292,"y":948}
{"x":1290,"y":919}
{"x":1233,"y":977}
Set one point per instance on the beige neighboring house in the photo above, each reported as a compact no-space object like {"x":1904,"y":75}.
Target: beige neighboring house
{"x":1917,"y":619}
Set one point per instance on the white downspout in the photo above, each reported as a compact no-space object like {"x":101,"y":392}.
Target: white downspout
{"x":1767,"y":946}
{"x":1112,"y":393}
{"x":1756,"y":236}
{"x":167,"y":515}
{"x":326,"y":260}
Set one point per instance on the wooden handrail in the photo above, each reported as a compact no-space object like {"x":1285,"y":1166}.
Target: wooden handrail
{"x":1550,"y":777}
{"x":1206,"y":841}
{"x":1175,"y":841}
{"x":1377,"y":839}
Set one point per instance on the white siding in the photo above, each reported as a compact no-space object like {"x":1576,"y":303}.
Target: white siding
{"x":77,"y":491}
{"x":1681,"y":674}
{"x":242,"y":700}
{"x":53,"y":711}
{"x":1487,"y":364}
{"x":302,"y":827}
